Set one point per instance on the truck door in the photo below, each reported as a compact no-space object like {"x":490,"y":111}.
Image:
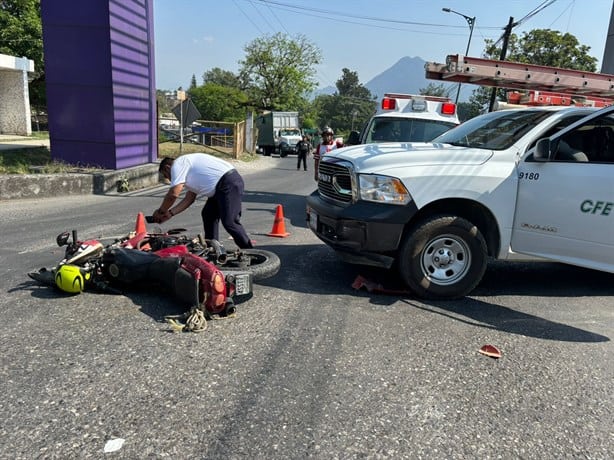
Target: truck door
{"x":565,"y":206}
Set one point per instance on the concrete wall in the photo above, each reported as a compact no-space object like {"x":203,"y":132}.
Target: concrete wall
{"x":14,"y":95}
{"x":16,"y":186}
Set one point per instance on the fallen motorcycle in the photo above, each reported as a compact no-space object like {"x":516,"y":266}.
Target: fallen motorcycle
{"x":198,"y":272}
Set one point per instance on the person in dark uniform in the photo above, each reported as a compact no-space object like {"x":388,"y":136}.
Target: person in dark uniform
{"x":218,"y":180}
{"x":303,"y":148}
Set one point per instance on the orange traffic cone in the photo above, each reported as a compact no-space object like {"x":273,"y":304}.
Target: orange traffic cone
{"x":279,"y":226}
{"x":140,"y":226}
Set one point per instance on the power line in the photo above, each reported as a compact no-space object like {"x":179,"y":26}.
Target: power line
{"x":536,"y":10}
{"x":272,"y":13}
{"x":529,"y":15}
{"x":338,"y":14}
{"x":248,"y":18}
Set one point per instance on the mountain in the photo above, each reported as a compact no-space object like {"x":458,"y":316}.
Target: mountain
{"x":327,"y":90}
{"x":406,"y":76}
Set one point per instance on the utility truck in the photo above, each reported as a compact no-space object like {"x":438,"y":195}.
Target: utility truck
{"x":278,"y":132}
{"x":529,"y":182}
{"x":407,"y":118}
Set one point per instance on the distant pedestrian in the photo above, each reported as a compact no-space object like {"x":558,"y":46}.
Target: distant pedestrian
{"x":218,"y":180}
{"x":303,"y":149}
{"x":328,"y":144}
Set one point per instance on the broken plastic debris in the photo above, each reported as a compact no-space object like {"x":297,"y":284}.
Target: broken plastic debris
{"x":371,"y":286}
{"x":490,"y":350}
{"x":114,"y":445}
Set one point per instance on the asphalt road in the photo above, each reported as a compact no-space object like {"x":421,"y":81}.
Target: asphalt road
{"x":309,"y":367}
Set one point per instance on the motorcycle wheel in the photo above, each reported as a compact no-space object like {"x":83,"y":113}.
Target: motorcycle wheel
{"x":260,"y":263}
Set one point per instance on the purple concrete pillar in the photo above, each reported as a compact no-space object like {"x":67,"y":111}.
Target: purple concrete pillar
{"x":99,"y":72}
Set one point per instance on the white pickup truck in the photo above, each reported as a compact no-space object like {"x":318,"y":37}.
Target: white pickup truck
{"x":536,"y":181}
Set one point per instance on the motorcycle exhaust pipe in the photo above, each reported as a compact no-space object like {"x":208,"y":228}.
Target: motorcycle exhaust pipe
{"x":220,"y":252}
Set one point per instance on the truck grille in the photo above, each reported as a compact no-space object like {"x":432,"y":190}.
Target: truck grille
{"x":335,"y":181}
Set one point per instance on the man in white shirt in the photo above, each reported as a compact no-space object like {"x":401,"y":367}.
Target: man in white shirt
{"x":218,"y":180}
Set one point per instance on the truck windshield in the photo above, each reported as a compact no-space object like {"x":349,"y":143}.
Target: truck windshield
{"x":289,"y":132}
{"x":494,"y":130}
{"x":396,"y":129}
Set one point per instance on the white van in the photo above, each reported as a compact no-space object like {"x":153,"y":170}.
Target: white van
{"x":408,"y":118}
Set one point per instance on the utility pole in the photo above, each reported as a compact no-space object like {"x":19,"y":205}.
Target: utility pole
{"x":181,"y":98}
{"x":607,"y":63}
{"x":506,"y":39}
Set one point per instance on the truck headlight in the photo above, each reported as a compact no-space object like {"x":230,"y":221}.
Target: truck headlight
{"x":382,"y":189}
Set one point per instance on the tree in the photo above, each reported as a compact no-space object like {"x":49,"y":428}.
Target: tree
{"x":349,"y":108}
{"x":546,"y":47}
{"x":467,"y":110}
{"x":222,"y":77}
{"x":163,"y":101}
{"x":540,"y":47}
{"x":278,"y":71}
{"x":192,"y":83}
{"x":437,"y":89}
{"x":219,"y":103}
{"x":21,"y":34}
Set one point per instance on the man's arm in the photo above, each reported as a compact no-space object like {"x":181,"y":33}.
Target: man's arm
{"x":161,"y":214}
{"x":184,"y":204}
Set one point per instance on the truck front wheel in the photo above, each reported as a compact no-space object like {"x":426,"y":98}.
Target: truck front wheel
{"x":443,"y":257}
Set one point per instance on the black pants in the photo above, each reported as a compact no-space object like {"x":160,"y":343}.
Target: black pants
{"x":302,"y":157}
{"x":225,"y":206}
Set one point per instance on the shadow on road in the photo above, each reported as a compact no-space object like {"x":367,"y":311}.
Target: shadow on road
{"x":324,"y":274}
{"x":512,"y":278}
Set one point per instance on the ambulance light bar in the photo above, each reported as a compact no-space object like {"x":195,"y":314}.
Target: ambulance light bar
{"x":389,"y":104}
{"x":418,"y":103}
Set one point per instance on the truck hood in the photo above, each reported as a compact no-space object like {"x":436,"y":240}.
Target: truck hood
{"x":387,"y":157}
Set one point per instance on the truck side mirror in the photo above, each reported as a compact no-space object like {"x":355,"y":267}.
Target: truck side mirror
{"x":542,"y":150}
{"x":353,"y":138}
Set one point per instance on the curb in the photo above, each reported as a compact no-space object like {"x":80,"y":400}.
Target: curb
{"x":32,"y":186}
{"x":23,"y":186}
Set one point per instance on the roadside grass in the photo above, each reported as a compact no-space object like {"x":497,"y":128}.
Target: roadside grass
{"x":38,"y":159}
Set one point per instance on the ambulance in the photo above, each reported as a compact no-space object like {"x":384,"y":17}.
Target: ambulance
{"x":407,"y":118}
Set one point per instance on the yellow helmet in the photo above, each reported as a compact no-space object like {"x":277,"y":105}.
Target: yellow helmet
{"x":71,"y":278}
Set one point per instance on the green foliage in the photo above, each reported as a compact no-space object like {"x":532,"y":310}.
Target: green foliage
{"x":21,"y":34}
{"x":349,"y":108}
{"x":219,"y":103}
{"x":467,"y":110}
{"x":36,"y":159}
{"x":222,"y":77}
{"x":192,"y":83}
{"x":278,"y":71}
{"x":546,"y":47}
{"x":164,"y":103}
{"x":538,"y":47}
{"x":437,"y":89}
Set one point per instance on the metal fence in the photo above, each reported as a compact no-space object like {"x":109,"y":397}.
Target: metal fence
{"x":213,"y":134}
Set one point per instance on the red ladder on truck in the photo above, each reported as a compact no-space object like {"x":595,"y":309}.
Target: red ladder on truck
{"x":595,"y":88}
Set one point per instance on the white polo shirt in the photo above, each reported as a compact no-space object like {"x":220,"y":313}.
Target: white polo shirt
{"x":199,"y":172}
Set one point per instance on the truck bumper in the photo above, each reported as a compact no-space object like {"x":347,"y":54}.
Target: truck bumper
{"x":361,"y":233}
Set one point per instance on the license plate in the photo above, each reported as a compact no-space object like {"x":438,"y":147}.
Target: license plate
{"x":313,"y":220}
{"x":243,"y":284}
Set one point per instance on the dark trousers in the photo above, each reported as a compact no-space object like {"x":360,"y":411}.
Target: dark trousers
{"x":225,"y":206}
{"x":302,"y":157}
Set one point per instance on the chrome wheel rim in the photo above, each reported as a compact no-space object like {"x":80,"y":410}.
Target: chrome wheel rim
{"x":445,"y":260}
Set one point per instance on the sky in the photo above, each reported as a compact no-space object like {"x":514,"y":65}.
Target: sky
{"x":365,"y":36}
